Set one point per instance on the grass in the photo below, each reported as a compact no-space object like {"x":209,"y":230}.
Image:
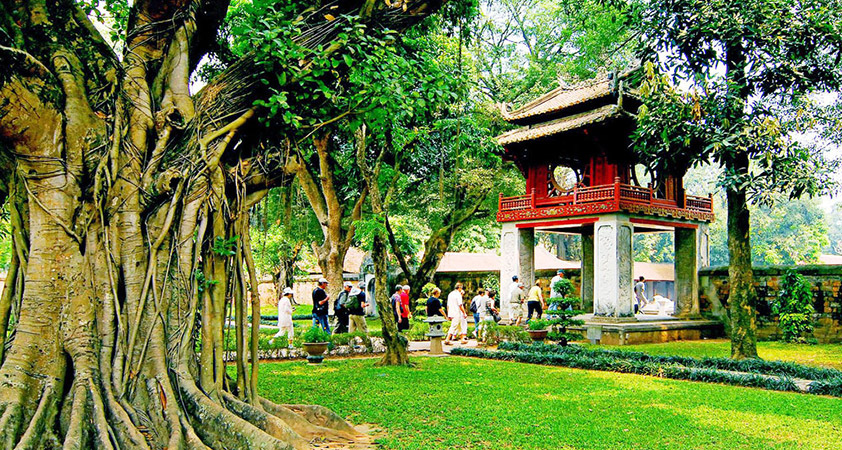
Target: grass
{"x":269,"y":310}
{"x":476,"y":404}
{"x":822,"y":355}
{"x":373,"y":324}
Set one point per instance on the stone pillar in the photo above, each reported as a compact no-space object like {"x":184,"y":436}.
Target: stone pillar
{"x":703,"y":240}
{"x":517,"y":255}
{"x":587,"y":271}
{"x":613,"y":265}
{"x":686,"y":273}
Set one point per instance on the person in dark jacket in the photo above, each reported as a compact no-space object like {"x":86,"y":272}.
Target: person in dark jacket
{"x":320,"y":305}
{"x":396,"y":304}
{"x":356,"y":308}
{"x":434,"y":307}
{"x":340,"y":308}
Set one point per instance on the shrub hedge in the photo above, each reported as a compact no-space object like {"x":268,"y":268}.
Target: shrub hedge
{"x":772,"y":375}
{"x":616,"y":364}
{"x":773,"y":368}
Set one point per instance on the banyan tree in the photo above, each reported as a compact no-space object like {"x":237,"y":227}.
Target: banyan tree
{"x":128,"y":198}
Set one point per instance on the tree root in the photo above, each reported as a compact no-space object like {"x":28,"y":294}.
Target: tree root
{"x":219,"y":427}
{"x":313,"y":421}
{"x":10,"y":423}
{"x":270,"y":424}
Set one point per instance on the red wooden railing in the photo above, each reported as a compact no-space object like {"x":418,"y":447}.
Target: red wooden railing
{"x":516,"y":203}
{"x":615,"y":193}
{"x":704,"y":204}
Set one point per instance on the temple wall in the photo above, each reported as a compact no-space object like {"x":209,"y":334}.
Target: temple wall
{"x":826,"y":281}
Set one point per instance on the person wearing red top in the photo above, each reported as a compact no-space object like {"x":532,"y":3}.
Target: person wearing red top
{"x":405,"y":314}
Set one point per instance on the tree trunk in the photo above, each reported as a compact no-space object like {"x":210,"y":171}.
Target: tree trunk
{"x":396,"y":344}
{"x":123,"y":190}
{"x":438,"y":243}
{"x":741,"y":298}
{"x":337,"y":229}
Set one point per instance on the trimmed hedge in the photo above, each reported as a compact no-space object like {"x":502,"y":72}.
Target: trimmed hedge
{"x":773,"y":368}
{"x":616,"y":364}
{"x":828,"y":387}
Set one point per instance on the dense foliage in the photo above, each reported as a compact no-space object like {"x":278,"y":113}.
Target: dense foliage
{"x":750,"y":69}
{"x":794,"y":307}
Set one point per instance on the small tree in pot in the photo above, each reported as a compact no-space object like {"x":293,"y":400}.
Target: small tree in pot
{"x":537,"y":329}
{"x":561,"y":312}
{"x":316,"y":341}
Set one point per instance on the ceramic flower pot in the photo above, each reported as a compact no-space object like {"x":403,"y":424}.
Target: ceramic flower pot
{"x":538,"y":335}
{"x":316,"y":351}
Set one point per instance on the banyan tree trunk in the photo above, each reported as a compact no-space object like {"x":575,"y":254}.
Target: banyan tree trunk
{"x":126,"y":193}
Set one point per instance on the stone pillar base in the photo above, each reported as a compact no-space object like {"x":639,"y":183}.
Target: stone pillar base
{"x":435,"y":347}
{"x":612,"y":319}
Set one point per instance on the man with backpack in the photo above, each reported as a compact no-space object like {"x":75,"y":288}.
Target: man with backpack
{"x":356,"y":309}
{"x":340,"y":308}
{"x":396,"y":304}
{"x":475,"y":308}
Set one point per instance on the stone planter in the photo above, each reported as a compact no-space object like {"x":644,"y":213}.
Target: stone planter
{"x":315,"y":350}
{"x":538,"y":335}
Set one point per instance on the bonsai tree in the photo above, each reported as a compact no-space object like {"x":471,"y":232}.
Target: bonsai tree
{"x":794,"y":307}
{"x":315,"y":335}
{"x":562,"y":314}
{"x":538,"y":325}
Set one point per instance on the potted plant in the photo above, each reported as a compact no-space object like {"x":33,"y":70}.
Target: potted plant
{"x":537,"y":329}
{"x":316,"y":341}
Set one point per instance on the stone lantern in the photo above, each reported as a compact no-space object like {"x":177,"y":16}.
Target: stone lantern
{"x":435,"y":335}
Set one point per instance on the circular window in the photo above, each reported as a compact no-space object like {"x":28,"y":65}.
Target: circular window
{"x":560,"y":180}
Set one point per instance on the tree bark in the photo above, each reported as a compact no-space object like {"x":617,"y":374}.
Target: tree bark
{"x":741,"y":298}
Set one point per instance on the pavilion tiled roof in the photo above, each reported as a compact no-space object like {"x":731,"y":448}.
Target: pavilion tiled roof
{"x":561,"y":125}
{"x":558,"y":99}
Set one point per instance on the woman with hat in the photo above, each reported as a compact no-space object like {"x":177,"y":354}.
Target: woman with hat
{"x":285,"y":316}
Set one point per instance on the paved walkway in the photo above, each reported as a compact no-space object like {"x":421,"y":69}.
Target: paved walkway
{"x":424,"y":346}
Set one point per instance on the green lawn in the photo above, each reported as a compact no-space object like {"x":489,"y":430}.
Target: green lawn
{"x":462,"y":403}
{"x":825,"y":355}
{"x":373,"y":324}
{"x":269,"y":310}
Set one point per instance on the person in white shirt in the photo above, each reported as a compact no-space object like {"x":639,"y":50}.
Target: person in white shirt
{"x":516,"y":303}
{"x":559,"y":276}
{"x":474,"y":308}
{"x":482,"y":313}
{"x":509,"y":292}
{"x":640,"y":293}
{"x":285,"y":316}
{"x":456,"y":314}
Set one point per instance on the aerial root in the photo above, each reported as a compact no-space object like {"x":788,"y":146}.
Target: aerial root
{"x":191,"y":438}
{"x":127,"y":433}
{"x":39,"y":428}
{"x":321,"y":416}
{"x":10,"y":423}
